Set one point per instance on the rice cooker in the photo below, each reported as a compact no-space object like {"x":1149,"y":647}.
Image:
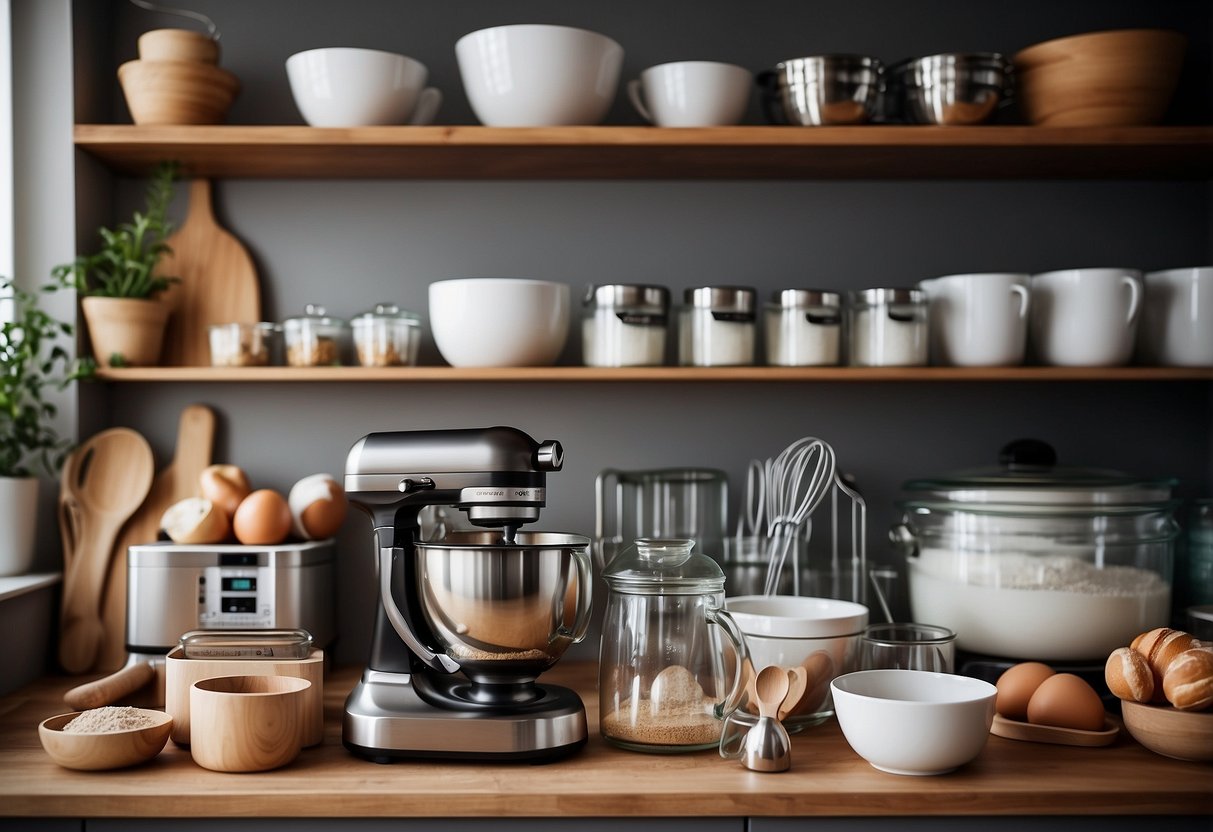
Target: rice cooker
{"x":1031,"y":560}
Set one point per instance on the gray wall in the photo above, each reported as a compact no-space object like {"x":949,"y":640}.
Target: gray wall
{"x":351,"y":244}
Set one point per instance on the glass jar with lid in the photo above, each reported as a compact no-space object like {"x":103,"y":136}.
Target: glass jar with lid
{"x":803,"y":328}
{"x":666,"y":681}
{"x":888,"y":328}
{"x":624,"y":325}
{"x":717,"y":327}
{"x":314,"y":339}
{"x":1030,"y":560}
{"x":241,"y":344}
{"x":386,"y":336}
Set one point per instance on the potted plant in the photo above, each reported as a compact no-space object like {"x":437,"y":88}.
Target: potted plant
{"x":121,"y":291}
{"x":31,"y":359}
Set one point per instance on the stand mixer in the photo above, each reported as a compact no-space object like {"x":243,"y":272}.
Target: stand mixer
{"x":465,"y":624}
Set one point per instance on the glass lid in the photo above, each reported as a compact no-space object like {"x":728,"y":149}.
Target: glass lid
{"x":387,"y":312}
{"x":664,"y":566}
{"x":313,"y":315}
{"x":1028,"y":474}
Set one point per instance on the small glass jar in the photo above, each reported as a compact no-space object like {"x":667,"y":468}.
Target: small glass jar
{"x":314,"y":339}
{"x":1198,"y":572}
{"x":888,"y":328}
{"x":624,"y":325}
{"x":717,"y":327}
{"x":387,"y":336}
{"x":241,"y":345}
{"x":803,"y":328}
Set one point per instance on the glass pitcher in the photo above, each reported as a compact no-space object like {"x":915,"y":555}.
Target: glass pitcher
{"x":662,"y":503}
{"x":665,"y":680}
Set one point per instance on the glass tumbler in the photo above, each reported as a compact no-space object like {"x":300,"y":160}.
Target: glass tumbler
{"x":908,"y":647}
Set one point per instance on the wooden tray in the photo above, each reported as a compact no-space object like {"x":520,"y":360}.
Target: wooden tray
{"x":1013,"y":729}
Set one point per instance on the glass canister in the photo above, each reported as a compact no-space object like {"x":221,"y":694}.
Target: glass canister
{"x":803,"y":328}
{"x":1197,"y":577}
{"x":717,"y":327}
{"x":241,"y":345}
{"x":386,"y":336}
{"x":624,"y":325}
{"x":666,"y":681}
{"x":888,"y":328}
{"x":314,"y":339}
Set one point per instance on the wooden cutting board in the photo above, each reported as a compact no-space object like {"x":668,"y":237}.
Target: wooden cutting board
{"x":218,"y":282}
{"x":195,"y":441}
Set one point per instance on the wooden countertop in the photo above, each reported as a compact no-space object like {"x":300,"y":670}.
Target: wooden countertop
{"x":827,"y":778}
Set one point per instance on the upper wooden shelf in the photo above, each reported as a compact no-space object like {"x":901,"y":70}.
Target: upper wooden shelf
{"x":746,"y":152}
{"x":650,"y":374}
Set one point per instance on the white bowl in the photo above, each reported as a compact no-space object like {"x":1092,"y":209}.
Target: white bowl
{"x":346,"y":87}
{"x":914,"y":722}
{"x":499,"y":321}
{"x":537,"y":75}
{"x":793,"y":616}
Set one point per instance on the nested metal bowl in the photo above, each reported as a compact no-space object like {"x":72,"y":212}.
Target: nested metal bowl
{"x":822,"y":90}
{"x":505,"y":612}
{"x":954,"y":88}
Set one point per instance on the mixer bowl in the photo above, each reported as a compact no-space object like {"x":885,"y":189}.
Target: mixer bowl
{"x":505,"y":612}
{"x":821,"y":90}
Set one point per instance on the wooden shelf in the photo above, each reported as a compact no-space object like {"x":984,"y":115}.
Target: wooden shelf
{"x":745,"y":152}
{"x":650,"y":374}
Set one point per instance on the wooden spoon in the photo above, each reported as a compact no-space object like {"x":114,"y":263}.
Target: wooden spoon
{"x":771,"y":688}
{"x":115,"y":473}
{"x":798,"y":682}
{"x":69,"y":512}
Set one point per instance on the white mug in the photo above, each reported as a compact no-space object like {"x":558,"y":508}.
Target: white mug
{"x":347,"y":87}
{"x":1085,"y":317}
{"x":1177,"y":321}
{"x":978,"y":320}
{"x":692,"y":94}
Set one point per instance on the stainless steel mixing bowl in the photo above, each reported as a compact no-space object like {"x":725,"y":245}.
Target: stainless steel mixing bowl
{"x":820,"y":90}
{"x":505,"y":612}
{"x":955,"y":88}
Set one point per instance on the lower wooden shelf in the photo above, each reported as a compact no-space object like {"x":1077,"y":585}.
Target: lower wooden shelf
{"x":650,"y":374}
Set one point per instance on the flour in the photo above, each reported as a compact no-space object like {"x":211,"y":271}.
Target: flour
{"x":109,"y":720}
{"x":880,"y":341}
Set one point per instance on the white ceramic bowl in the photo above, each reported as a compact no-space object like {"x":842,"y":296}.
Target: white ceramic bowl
{"x":499,"y":321}
{"x":914,"y":722}
{"x":793,"y":616}
{"x":346,"y":87}
{"x":537,"y":75}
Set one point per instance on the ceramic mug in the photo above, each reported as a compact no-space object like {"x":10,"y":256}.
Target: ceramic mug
{"x":978,"y":320}
{"x":691,"y":94}
{"x":1177,"y":321}
{"x":346,"y":87}
{"x":1085,"y":317}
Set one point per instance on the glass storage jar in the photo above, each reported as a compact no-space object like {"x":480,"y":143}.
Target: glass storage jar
{"x":717,"y":327}
{"x":1034,"y":561}
{"x":386,"y":336}
{"x":624,"y":325}
{"x":241,"y":345}
{"x":1197,"y":578}
{"x":888,"y":328}
{"x":803,"y":328}
{"x":665,"y":680}
{"x":314,"y":339}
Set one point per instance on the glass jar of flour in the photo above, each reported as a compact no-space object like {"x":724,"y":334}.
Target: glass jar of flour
{"x":888,"y":328}
{"x":803,"y":328}
{"x":624,"y":325}
{"x":717,"y":327}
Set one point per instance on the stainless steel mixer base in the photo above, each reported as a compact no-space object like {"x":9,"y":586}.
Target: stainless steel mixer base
{"x":386,"y":720}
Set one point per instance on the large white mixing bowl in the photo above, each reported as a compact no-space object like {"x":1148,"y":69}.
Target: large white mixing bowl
{"x":499,"y":321}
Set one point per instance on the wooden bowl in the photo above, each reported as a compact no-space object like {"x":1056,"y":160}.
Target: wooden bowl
{"x":1184,"y":735}
{"x":247,"y":723}
{"x":98,"y":752}
{"x":1121,"y":78}
{"x":177,"y":92}
{"x":178,"y":45}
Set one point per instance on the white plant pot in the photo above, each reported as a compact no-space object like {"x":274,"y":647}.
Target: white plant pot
{"x":18,"y":521}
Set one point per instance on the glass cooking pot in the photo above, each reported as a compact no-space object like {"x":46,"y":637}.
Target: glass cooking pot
{"x":665,"y":682}
{"x":1034,"y":561}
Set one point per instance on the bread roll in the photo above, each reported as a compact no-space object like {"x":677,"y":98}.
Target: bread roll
{"x":1188,"y":683}
{"x":1129,"y":676}
{"x":1160,"y":647}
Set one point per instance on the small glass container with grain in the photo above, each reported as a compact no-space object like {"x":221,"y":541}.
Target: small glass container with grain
{"x":241,"y":345}
{"x":314,"y":339}
{"x":387,"y":336}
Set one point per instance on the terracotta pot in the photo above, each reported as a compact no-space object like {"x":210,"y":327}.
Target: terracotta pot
{"x":18,"y":514}
{"x":133,"y":329}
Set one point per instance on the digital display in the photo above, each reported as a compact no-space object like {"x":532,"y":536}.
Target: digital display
{"x":239,"y":604}
{"x":239,"y":584}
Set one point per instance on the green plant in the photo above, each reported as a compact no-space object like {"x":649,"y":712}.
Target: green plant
{"x":31,"y":359}
{"x":125,"y":265}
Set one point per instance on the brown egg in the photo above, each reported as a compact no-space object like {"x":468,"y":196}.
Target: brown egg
{"x":1066,"y":701}
{"x":1016,"y":686}
{"x":262,"y":519}
{"x":225,"y":486}
{"x":318,"y":507}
